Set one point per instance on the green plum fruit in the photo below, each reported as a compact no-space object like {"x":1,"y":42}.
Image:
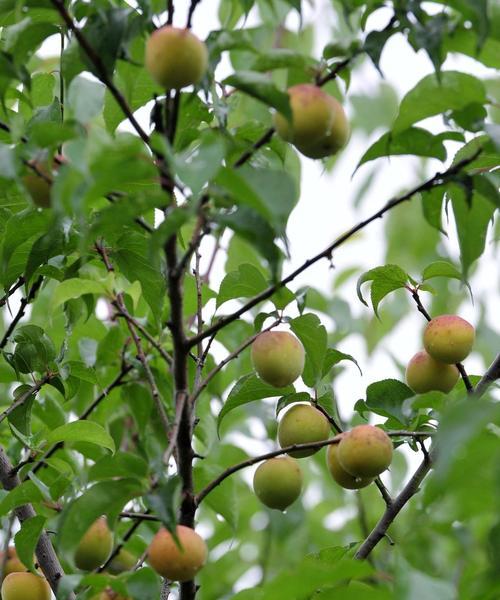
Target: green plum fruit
{"x":124,"y":561}
{"x":302,"y":424}
{"x":365,"y":451}
{"x":425,"y":374}
{"x":95,"y":546}
{"x":174,"y":562}
{"x":175,"y":58}
{"x":277,"y":482}
{"x":278,"y":357}
{"x":340,"y":475}
{"x":25,"y":586}
{"x":449,"y":338}
{"x":13,"y":564}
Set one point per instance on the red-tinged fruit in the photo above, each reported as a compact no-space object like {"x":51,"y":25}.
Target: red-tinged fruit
{"x":175,"y":58}
{"x":277,"y":482}
{"x":365,"y":451}
{"x":95,"y":546}
{"x":425,"y":374}
{"x":278,"y":357}
{"x":449,"y":338}
{"x":302,"y":424}
{"x":340,"y":475}
{"x":174,"y":562}
{"x":13,"y":564}
{"x":25,"y":586}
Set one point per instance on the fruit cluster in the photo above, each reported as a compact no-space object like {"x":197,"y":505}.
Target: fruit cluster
{"x":448,"y":339}
{"x":354,"y":458}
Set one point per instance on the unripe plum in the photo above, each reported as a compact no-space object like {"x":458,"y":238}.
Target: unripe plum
{"x":319,"y":125}
{"x":449,"y":338}
{"x":335,"y":139}
{"x":365,"y":451}
{"x":95,"y":546}
{"x":25,"y":586}
{"x":13,"y":564}
{"x":124,"y":561}
{"x":278,"y":357}
{"x":302,"y":424}
{"x":175,"y":58}
{"x":38,"y":187}
{"x":109,"y":594}
{"x":172,"y":562}
{"x":277,"y":482}
{"x":340,"y":475}
{"x":425,"y":374}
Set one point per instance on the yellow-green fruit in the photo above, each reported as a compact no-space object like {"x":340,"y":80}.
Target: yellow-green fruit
{"x":25,"y":586}
{"x":365,"y":451}
{"x":302,"y":424}
{"x":312,"y":116}
{"x":124,"y":561}
{"x":340,"y":475}
{"x":277,"y":482}
{"x":424,"y":374}
{"x":95,"y":546}
{"x":449,"y":338}
{"x":175,"y":58}
{"x":278,"y":357}
{"x":37,"y":186}
{"x":13,"y":564}
{"x":172,"y":562}
{"x":109,"y":595}
{"x":335,"y":139}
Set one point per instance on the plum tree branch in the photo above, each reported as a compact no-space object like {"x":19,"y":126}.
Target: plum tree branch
{"x":421,"y":308}
{"x":45,"y":554}
{"x":192,"y":8}
{"x":19,"y":283}
{"x":286,"y":450}
{"x":393,"y":509}
{"x":491,"y":375}
{"x":20,"y":313}
{"x":436,"y":180}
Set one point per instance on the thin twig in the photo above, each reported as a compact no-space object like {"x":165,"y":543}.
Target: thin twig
{"x":192,"y":8}
{"x":128,"y":534}
{"x":410,"y":489}
{"x":170,"y":12}
{"x":11,"y":290}
{"x":179,"y":409}
{"x":20,"y":313}
{"x":22,"y":399}
{"x":262,"y":141}
{"x":491,"y":375}
{"x":437,"y":180}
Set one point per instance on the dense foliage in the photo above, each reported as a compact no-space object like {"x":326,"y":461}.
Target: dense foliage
{"x":144,"y":246}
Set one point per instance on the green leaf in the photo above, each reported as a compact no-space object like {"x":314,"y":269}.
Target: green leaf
{"x":281,"y":58}
{"x":333,"y":357}
{"x":75,"y":288}
{"x":164,"y":501}
{"x":441,"y":268}
{"x":472,"y":224}
{"x":415,"y":140}
{"x":26,"y":540}
{"x":25,"y":493}
{"x":384,"y":280}
{"x":103,"y":498}
{"x":85,"y":99}
{"x":249,"y":389}
{"x":34,"y":350}
{"x":432,"y":206}
{"x":432,"y":97}
{"x":246,"y":282}
{"x":81,"y":431}
{"x":386,"y":398}
{"x":291,"y":399}
{"x":310,"y":331}
{"x":262,"y":88}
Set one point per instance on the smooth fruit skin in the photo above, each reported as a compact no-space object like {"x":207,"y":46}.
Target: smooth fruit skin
{"x":38,"y":187}
{"x":13,"y":564}
{"x":124,"y":561}
{"x":109,"y":595}
{"x":365,"y":451}
{"x":340,"y":475}
{"x":277,"y":482}
{"x":302,"y":424}
{"x":449,"y":338}
{"x":25,"y":586}
{"x":312,"y":116}
{"x":172,"y":562}
{"x":95,"y":546}
{"x":278,"y":357}
{"x":336,"y":138}
{"x":424,"y":374}
{"x":175,"y":58}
